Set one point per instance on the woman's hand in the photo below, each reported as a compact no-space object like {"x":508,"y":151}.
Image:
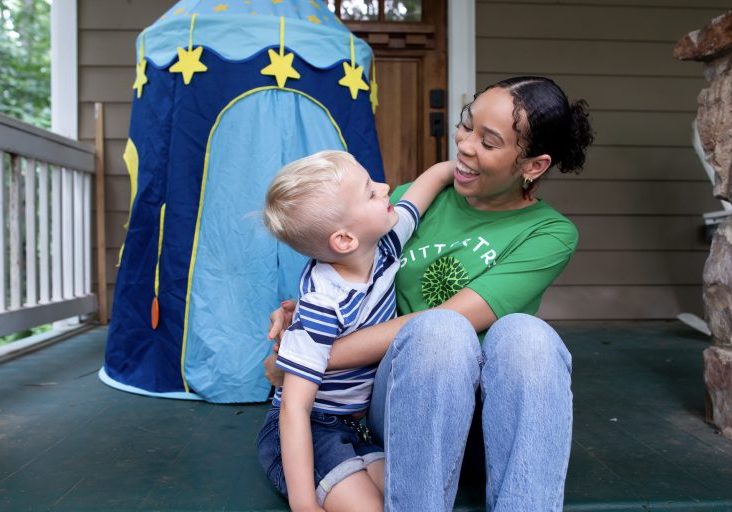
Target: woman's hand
{"x":274,"y":375}
{"x":278,"y":322}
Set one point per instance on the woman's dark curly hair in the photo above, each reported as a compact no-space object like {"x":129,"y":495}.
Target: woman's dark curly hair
{"x":554,"y":126}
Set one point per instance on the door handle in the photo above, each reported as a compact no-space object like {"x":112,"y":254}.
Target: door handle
{"x":437,"y":130}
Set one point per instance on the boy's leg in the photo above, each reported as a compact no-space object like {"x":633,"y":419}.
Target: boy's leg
{"x":376,"y":473}
{"x":422,"y":404}
{"x":355,"y":493}
{"x":527,"y":415}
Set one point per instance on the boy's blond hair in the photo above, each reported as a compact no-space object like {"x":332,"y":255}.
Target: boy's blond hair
{"x":300,"y":207}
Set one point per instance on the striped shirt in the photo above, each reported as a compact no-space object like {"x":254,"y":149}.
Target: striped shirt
{"x":330,"y":307}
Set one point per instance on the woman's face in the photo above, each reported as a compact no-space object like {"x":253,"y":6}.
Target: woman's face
{"x":487,"y":173}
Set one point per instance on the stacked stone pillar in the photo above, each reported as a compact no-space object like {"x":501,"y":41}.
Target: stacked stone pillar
{"x":712,"y":45}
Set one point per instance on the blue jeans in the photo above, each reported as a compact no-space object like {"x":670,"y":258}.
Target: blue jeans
{"x":339,"y":451}
{"x":423,"y":402}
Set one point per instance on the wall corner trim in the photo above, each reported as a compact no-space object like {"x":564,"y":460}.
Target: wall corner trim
{"x":460,"y":61}
{"x":64,"y":69}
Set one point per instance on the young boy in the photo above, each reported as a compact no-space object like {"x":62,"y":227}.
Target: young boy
{"x":312,"y":445}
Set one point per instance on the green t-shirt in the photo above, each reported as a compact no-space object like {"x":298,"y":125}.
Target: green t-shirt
{"x":509,"y":258}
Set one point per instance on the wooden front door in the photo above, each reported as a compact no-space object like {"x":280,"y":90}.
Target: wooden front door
{"x":409,"y":41}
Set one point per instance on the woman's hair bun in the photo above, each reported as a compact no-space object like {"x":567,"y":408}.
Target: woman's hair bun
{"x":580,"y":137}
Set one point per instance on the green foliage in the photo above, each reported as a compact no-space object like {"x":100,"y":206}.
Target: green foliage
{"x":25,"y":57}
{"x":4,"y":340}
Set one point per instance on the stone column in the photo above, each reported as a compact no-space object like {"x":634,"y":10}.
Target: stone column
{"x":712,"y":45}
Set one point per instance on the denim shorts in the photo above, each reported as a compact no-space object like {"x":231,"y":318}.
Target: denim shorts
{"x":339,"y":451}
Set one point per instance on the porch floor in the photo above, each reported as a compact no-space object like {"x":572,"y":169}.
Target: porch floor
{"x":70,"y":443}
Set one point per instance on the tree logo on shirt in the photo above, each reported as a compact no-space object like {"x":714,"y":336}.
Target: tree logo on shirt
{"x":443,"y":279}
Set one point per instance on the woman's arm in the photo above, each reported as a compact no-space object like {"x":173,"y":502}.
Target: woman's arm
{"x":296,"y":439}
{"x":368,"y":346}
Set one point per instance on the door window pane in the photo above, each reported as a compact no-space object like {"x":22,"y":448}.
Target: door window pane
{"x":403,"y":10}
{"x":360,"y":10}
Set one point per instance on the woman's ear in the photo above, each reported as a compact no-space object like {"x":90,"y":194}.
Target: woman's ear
{"x":534,"y":167}
{"x":342,"y":242}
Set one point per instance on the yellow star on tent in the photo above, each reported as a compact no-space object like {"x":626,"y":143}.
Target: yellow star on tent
{"x":276,"y":1}
{"x":280,"y":67}
{"x":221,"y":7}
{"x":140,"y":77}
{"x":314,"y":19}
{"x":189,"y":62}
{"x":314,"y":4}
{"x":180,"y":10}
{"x":353,"y":77}
{"x":374,"y":96}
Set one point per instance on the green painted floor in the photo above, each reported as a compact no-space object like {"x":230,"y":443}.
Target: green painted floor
{"x":70,"y":443}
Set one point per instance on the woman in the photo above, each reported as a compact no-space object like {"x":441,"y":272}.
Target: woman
{"x":480,"y":262}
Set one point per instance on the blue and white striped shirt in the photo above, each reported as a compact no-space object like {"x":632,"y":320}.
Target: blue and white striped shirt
{"x":330,"y":307}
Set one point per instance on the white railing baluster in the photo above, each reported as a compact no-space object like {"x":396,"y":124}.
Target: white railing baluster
{"x":67,"y":234}
{"x":14,"y":226}
{"x":31,"y":295}
{"x":78,"y":234}
{"x":45,"y":232}
{"x":87,"y":234}
{"x":44,"y":295}
{"x":2,"y":231}
{"x":56,"y":246}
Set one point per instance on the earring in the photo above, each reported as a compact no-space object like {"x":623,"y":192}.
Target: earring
{"x":528,"y":182}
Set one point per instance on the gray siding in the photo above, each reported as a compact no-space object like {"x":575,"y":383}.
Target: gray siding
{"x":639,"y":201}
{"x":106,"y":37}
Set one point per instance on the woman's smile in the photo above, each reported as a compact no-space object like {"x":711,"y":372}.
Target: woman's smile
{"x":464,"y":174}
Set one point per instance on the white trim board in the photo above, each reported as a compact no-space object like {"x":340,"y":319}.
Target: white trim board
{"x":64,"y":69}
{"x":460,"y":62}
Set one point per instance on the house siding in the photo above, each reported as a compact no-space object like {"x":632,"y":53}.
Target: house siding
{"x":107,"y":30}
{"x":638,"y":204}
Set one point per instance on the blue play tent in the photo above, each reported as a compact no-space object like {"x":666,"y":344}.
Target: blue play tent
{"x":225,"y":94}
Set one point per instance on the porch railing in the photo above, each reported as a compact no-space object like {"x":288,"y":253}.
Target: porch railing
{"x":45,"y":227}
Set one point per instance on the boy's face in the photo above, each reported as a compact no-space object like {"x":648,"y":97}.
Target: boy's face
{"x":366,"y":203}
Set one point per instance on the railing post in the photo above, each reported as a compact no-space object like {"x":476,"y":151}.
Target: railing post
{"x":78,"y":216}
{"x":14,"y":225}
{"x":56,"y":285}
{"x":30,"y":232}
{"x":44,"y":295}
{"x":100,"y":209}
{"x":87,"y":233}
{"x":2,"y":231}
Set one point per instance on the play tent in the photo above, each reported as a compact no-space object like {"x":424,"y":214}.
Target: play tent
{"x":225,"y":94}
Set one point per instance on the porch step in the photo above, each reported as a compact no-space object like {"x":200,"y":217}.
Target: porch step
{"x":70,"y":443}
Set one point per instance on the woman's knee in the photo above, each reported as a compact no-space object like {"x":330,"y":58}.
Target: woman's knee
{"x":441,"y":336}
{"x":526,"y":343}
